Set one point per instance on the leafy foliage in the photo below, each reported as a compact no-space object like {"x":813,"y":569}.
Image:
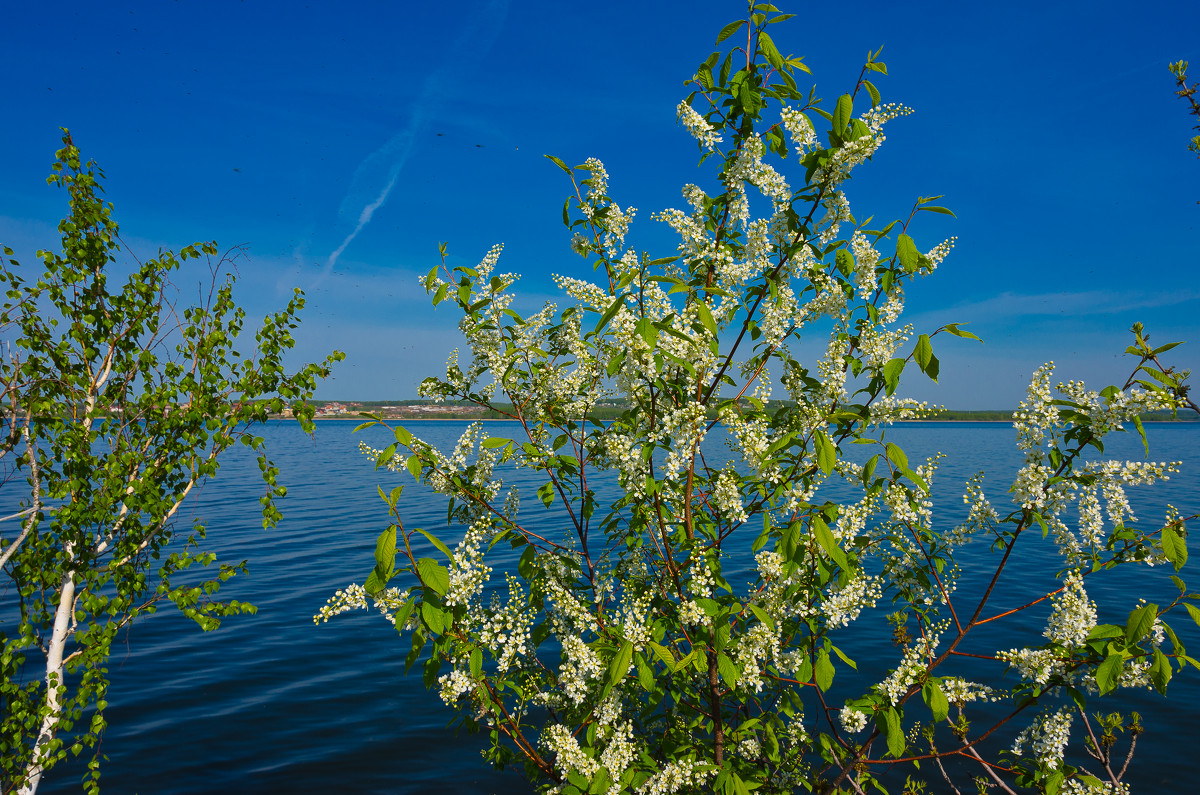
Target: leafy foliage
{"x":117,"y":404}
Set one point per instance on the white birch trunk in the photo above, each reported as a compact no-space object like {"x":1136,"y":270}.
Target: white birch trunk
{"x":54,"y":680}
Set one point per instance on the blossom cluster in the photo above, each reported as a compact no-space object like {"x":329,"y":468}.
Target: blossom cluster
{"x":698,"y":126}
{"x":911,"y":667}
{"x":680,"y":775}
{"x":853,"y":721}
{"x":355,"y":597}
{"x":843,"y":604}
{"x":1047,"y":737}
{"x":1074,"y":615}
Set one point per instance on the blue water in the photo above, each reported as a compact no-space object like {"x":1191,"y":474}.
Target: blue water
{"x":270,"y":703}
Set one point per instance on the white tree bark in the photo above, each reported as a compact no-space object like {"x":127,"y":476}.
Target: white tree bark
{"x":54,"y":681}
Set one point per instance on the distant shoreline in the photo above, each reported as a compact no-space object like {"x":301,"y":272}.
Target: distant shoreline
{"x":452,"y":418}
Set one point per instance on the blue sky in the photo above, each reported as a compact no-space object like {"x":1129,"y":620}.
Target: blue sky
{"x":340,"y":143}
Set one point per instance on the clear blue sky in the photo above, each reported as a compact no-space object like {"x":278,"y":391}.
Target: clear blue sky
{"x":1051,"y":128}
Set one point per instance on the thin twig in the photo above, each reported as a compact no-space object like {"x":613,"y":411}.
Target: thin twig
{"x":991,"y":773}
{"x":32,"y":511}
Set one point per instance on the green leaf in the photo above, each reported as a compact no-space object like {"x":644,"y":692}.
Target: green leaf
{"x":1165,"y":348}
{"x":933,"y":369}
{"x":494,"y":442}
{"x":645,"y":673}
{"x":828,"y":542}
{"x":891,"y":374}
{"x":619,"y":666}
{"x":525,"y":566}
{"x":414,"y":467}
{"x":897,"y":456}
{"x":614,"y":364}
{"x":374,"y":584}
{"x":895,"y":732}
{"x":842,"y":113}
{"x":384,"y":457}
{"x":916,"y":479}
{"x":546,"y":492}
{"x":385,"y":549}
{"x":476,"y":663}
{"x":1194,"y":612}
{"x":923,"y":354}
{"x":692,"y":658}
{"x":767,"y":47}
{"x":558,"y":163}
{"x":1160,"y":672}
{"x":445,"y":550}
{"x":1105,"y":631}
{"x":729,"y":30}
{"x":664,"y":654}
{"x":826,"y":452}
{"x":783,"y":441}
{"x":869,"y":469}
{"x":936,"y":699}
{"x":1174,"y":547}
{"x":954,"y":329}
{"x":648,"y":330}
{"x":600,"y":781}
{"x":434,"y":618}
{"x":610,"y":313}
{"x":706,"y":317}
{"x":873,"y":91}
{"x":845,"y":262}
{"x":934,"y":209}
{"x":844,"y":658}
{"x":762,"y":615}
{"x":729,"y":672}
{"x":433,"y":575}
{"x":1109,"y":672}
{"x":823,"y":671}
{"x":1140,"y":622}
{"x":1137,"y":423}
{"x":403,"y":613}
{"x":906,"y":252}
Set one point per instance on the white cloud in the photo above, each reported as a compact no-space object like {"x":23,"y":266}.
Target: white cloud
{"x":378,"y":173}
{"x":1009,"y":305}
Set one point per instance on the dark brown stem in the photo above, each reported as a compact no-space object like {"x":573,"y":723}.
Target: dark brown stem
{"x":714,"y":698}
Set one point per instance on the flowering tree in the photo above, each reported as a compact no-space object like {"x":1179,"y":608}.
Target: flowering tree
{"x":116,"y":404}
{"x":618,"y":655}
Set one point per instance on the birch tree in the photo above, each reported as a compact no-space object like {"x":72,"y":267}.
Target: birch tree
{"x":117,"y":403}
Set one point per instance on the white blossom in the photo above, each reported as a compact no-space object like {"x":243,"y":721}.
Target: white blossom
{"x":852,"y":720}
{"x":1046,"y":737}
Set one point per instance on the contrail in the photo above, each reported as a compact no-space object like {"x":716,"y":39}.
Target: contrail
{"x":472,"y":43}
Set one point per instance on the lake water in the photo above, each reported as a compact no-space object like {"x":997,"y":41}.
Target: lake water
{"x":271,"y":703}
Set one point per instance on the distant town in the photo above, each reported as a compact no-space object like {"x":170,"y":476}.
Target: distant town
{"x":401,"y":409}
